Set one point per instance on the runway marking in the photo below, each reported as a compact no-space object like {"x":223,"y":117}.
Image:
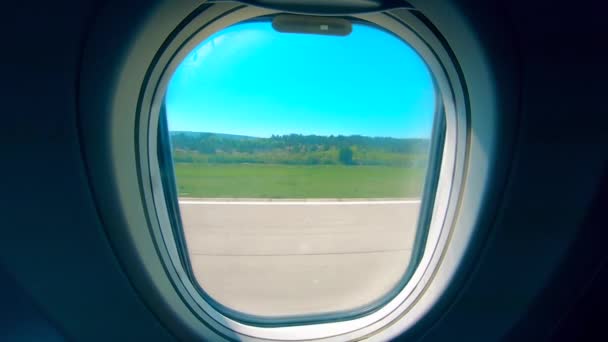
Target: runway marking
{"x":299,"y":202}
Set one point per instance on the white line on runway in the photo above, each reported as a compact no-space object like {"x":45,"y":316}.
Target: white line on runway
{"x":298,"y":202}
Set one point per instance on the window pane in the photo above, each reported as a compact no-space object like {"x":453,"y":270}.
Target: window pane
{"x":300,"y":161}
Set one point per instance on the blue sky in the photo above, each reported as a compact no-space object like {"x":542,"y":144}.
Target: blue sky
{"x":251,"y":80}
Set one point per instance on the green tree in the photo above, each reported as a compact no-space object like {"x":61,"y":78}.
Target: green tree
{"x":346,"y":156}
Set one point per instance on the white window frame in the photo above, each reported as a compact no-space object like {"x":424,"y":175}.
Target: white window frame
{"x":119,"y":87}
{"x":455,"y":135}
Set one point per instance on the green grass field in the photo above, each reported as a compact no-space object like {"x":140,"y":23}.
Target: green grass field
{"x":301,"y":181}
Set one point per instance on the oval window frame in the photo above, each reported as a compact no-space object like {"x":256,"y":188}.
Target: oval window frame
{"x":453,"y":100}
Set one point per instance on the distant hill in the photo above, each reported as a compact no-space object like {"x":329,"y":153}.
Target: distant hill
{"x":210,"y":147}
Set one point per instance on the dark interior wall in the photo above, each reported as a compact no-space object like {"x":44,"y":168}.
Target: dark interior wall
{"x":566,"y":73}
{"x":20,"y":318}
{"x":545,"y":245}
{"x":53,"y":244}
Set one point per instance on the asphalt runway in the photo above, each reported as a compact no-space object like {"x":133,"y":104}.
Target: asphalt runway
{"x":289,"y":258}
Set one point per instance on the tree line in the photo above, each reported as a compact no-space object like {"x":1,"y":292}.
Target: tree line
{"x":298,"y":149}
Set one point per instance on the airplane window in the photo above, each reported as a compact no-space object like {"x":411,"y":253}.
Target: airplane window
{"x":300,"y":161}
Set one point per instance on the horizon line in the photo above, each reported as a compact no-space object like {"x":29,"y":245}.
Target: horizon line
{"x":268,"y":137}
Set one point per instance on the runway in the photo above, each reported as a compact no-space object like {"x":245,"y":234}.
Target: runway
{"x":298,"y":257}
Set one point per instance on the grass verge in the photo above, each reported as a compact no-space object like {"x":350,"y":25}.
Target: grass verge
{"x":301,"y":181}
